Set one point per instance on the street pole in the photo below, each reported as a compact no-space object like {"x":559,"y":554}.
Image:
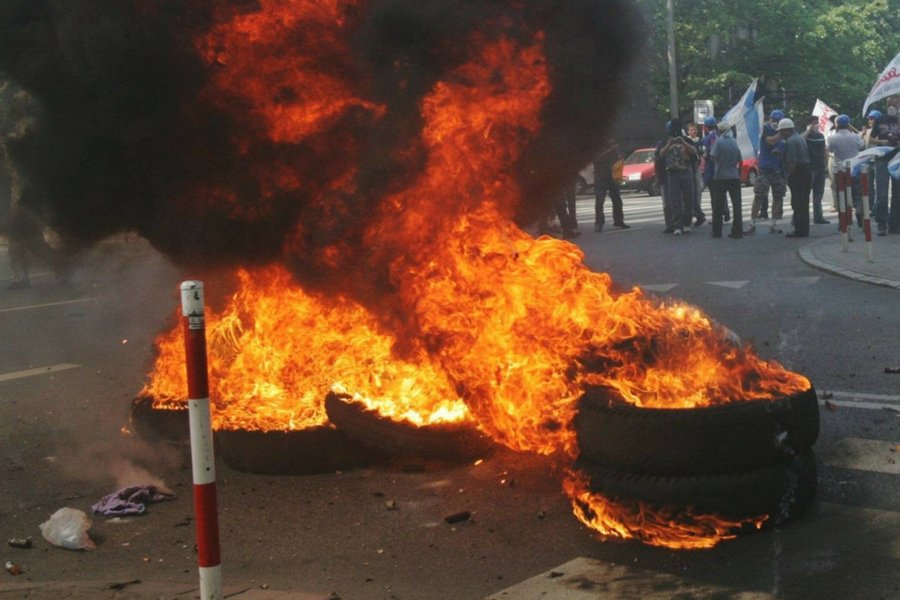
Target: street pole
{"x":673,"y":71}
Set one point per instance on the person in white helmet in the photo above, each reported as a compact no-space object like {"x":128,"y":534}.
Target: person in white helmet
{"x":799,"y":176}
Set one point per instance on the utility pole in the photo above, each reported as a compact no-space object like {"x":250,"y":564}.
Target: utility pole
{"x":673,"y":70}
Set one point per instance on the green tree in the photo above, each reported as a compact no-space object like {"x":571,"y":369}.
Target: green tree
{"x":802,"y":50}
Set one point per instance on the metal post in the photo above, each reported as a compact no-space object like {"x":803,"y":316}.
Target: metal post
{"x":842,"y":205}
{"x":673,"y":69}
{"x":867,"y":221}
{"x":848,"y":200}
{"x":202,"y":458}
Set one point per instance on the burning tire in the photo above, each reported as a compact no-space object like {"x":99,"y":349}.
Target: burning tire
{"x":701,"y":441}
{"x":780,"y":490}
{"x":321,"y":449}
{"x":159,"y":425}
{"x":447,"y":442}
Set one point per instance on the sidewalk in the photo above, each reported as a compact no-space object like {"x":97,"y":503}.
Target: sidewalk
{"x":828,"y":255}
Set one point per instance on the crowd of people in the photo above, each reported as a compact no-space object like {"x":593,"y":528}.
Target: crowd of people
{"x":799,"y":160}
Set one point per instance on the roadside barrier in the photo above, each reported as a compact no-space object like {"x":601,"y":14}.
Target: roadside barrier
{"x":203,"y":463}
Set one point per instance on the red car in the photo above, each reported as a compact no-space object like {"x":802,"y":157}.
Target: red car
{"x":748,"y":171}
{"x":639,"y":174}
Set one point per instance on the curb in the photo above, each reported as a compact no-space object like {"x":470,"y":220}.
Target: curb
{"x":808,"y":256}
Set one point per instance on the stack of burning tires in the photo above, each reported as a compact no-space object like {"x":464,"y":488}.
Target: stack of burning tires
{"x":740,"y":460}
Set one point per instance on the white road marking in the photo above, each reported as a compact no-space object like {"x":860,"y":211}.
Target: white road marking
{"x":37,"y":371}
{"x":45,"y":305}
{"x":589,"y":579}
{"x":658,"y":287}
{"x":865,"y":455}
{"x":863,"y":396}
{"x":734,"y":285}
{"x":854,"y":404}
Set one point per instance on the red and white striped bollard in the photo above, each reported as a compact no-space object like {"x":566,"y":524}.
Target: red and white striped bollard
{"x":842,"y":205}
{"x":206,"y":514}
{"x":867,"y":221}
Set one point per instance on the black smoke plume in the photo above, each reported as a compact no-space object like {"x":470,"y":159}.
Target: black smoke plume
{"x":125,"y":139}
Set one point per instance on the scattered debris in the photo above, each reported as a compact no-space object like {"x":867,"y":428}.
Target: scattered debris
{"x":390,"y":504}
{"x":541,"y":514}
{"x":830,"y":406}
{"x":13,"y":568}
{"x":123,"y":584}
{"x":68,"y":528}
{"x":129,"y":501}
{"x":555,"y":574}
{"x":892,"y":369}
{"x":20,"y":542}
{"x":458,"y":517}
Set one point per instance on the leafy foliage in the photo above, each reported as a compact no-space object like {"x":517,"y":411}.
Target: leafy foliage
{"x":801,"y":50}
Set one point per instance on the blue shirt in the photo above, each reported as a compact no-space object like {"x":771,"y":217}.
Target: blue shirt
{"x":770,"y":156}
{"x":727,"y":157}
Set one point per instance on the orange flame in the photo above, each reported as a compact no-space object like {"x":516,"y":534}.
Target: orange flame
{"x":515,"y":327}
{"x":677,"y":528}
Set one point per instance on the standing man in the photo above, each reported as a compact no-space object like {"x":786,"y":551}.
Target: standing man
{"x":815,"y":148}
{"x":844,"y":145}
{"x":678,"y":153}
{"x":708,"y":169}
{"x":605,"y":182}
{"x":796,"y":166}
{"x":883,"y":131}
{"x":694,"y":137}
{"x":726,"y":158}
{"x":771,"y":175}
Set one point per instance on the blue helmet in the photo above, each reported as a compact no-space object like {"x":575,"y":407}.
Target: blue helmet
{"x":709,"y":121}
{"x":776,"y":115}
{"x":842,"y":120}
{"x":874,"y":114}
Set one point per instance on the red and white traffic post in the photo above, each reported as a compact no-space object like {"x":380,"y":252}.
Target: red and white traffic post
{"x":867,"y":221}
{"x":842,"y":205}
{"x":206,"y":514}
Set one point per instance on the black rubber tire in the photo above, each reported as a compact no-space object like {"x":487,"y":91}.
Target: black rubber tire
{"x":698,"y":441}
{"x":321,"y":449}
{"x":782,"y":490}
{"x":159,"y":425}
{"x":450,"y":442}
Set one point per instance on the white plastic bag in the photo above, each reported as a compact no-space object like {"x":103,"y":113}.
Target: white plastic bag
{"x":68,"y":528}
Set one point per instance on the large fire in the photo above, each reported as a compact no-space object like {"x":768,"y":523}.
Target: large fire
{"x":500,"y":328}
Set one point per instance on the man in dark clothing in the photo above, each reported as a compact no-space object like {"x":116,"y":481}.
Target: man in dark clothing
{"x":815,"y":148}
{"x":605,"y":183}
{"x":796,"y":167}
{"x":678,"y":153}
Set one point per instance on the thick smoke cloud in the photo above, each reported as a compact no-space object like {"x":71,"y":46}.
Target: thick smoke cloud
{"x":126,"y":138}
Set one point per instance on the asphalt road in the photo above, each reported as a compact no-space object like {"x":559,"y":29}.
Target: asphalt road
{"x":73,"y":356}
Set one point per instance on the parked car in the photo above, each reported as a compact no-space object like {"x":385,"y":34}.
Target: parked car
{"x":585,"y":182}
{"x":639,"y":173}
{"x":748,"y":172}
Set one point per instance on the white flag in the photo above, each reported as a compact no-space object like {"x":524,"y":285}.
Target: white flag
{"x":824,"y":112}
{"x":888,"y":83}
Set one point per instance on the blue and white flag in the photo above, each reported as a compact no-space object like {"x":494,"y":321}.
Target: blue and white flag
{"x":894,"y":167}
{"x":866,"y":156}
{"x":747,"y":118}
